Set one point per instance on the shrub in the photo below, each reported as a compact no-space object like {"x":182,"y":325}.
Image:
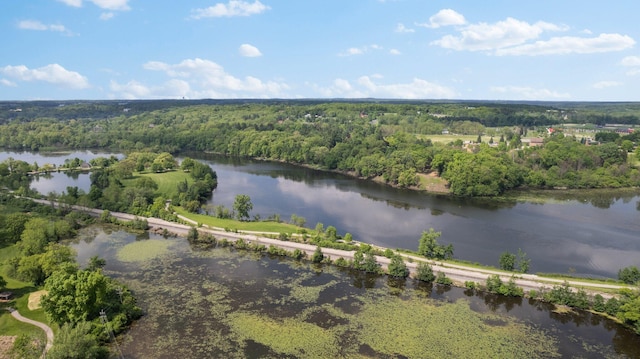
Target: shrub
{"x":443,"y":279}
{"x":425,"y":273}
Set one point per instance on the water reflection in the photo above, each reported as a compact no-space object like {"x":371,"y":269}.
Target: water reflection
{"x":592,"y":233}
{"x":204,"y":287}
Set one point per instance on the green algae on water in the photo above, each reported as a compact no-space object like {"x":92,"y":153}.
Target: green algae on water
{"x":144,"y":250}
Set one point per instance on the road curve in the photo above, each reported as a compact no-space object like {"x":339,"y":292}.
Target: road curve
{"x":40,"y":325}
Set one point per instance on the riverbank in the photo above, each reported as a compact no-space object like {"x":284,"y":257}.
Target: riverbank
{"x":458,"y":273}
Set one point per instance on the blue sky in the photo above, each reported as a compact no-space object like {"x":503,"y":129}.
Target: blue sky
{"x":407,"y":49}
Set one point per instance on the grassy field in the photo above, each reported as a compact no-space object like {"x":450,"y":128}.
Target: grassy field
{"x":451,"y":138}
{"x":241,"y":226}
{"x":21,"y":290}
{"x":167,"y":181}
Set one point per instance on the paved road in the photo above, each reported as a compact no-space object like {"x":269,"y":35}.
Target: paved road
{"x":43,"y":326}
{"x":457,"y":273}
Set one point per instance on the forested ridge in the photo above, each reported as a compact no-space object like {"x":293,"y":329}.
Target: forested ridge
{"x":391,"y":141}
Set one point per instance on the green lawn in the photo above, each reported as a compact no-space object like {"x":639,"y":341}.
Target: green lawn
{"x":242,"y":226}
{"x":21,"y":290}
{"x":167,"y":181}
{"x":451,"y":138}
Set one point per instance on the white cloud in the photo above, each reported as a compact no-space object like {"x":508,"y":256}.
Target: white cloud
{"x":232,"y":8}
{"x":39,"y":26}
{"x":403,"y":29}
{"x":366,"y":86}
{"x":247,"y":50}
{"x":198,"y":78}
{"x":445,"y":17}
{"x":488,"y":37}
{"x":528,"y":93}
{"x":173,"y":88}
{"x":53,"y":73}
{"x":631,"y":61}
{"x":106,"y":16}
{"x":606,"y":84}
{"x":121,"y":5}
{"x":8,"y":83}
{"x":519,"y":38}
{"x":571,"y":45}
{"x":634,"y":63}
{"x":360,"y":50}
{"x":395,"y":52}
{"x":74,"y":3}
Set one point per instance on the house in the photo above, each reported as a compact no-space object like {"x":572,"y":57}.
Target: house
{"x":5,"y":296}
{"x":85,"y":166}
{"x":445,"y":132}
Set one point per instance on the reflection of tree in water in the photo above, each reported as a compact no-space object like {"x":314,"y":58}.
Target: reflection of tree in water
{"x":73,"y":174}
{"x":362,"y":279}
{"x":495,"y":301}
{"x":396,"y":284}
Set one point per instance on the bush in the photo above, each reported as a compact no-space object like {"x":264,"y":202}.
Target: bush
{"x":629,"y":275}
{"x":425,"y":273}
{"x":470,"y":285}
{"x":317,"y":256}
{"x":443,"y":279}
{"x":397,"y":267}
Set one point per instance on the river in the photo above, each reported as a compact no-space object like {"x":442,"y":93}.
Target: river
{"x":593,"y":234}
{"x":225,"y":303}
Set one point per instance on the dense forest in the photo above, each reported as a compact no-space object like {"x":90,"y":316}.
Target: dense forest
{"x":394,"y":142}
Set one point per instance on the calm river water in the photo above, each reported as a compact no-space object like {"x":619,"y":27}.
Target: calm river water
{"x":594,"y":234}
{"x":224,"y":303}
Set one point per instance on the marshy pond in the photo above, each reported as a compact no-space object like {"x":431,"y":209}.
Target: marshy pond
{"x":222,"y":302}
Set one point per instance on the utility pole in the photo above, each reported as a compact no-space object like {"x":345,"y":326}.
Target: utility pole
{"x":105,"y":322}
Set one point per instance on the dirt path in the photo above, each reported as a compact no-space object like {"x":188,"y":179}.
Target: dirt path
{"x":40,"y":325}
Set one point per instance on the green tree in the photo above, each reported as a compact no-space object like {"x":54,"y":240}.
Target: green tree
{"x":507,"y":261}
{"x":317,"y":256}
{"x":397,"y":267}
{"x":331,"y":233}
{"x":76,"y":342}
{"x":242,"y":206}
{"x":424,"y":273}
{"x":629,"y":275}
{"x":370,"y":264}
{"x":96,"y":263}
{"x":3,"y":283}
{"x":430,"y":248}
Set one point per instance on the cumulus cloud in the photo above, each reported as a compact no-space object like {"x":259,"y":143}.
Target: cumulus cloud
{"x":7,"y":83}
{"x":445,"y":17}
{"x":247,"y":50}
{"x":39,"y":26}
{"x":106,"y":16}
{"x":633,"y":63}
{"x":403,"y":29}
{"x":230,"y":9}
{"x":487,"y":37}
{"x":528,"y":93}
{"x":121,"y":5}
{"x":360,"y":50}
{"x":368,"y":86}
{"x":199,"y":78}
{"x":606,"y":84}
{"x":514,"y":37}
{"x":53,"y":73}
{"x":571,"y":45}
{"x":395,"y":52}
